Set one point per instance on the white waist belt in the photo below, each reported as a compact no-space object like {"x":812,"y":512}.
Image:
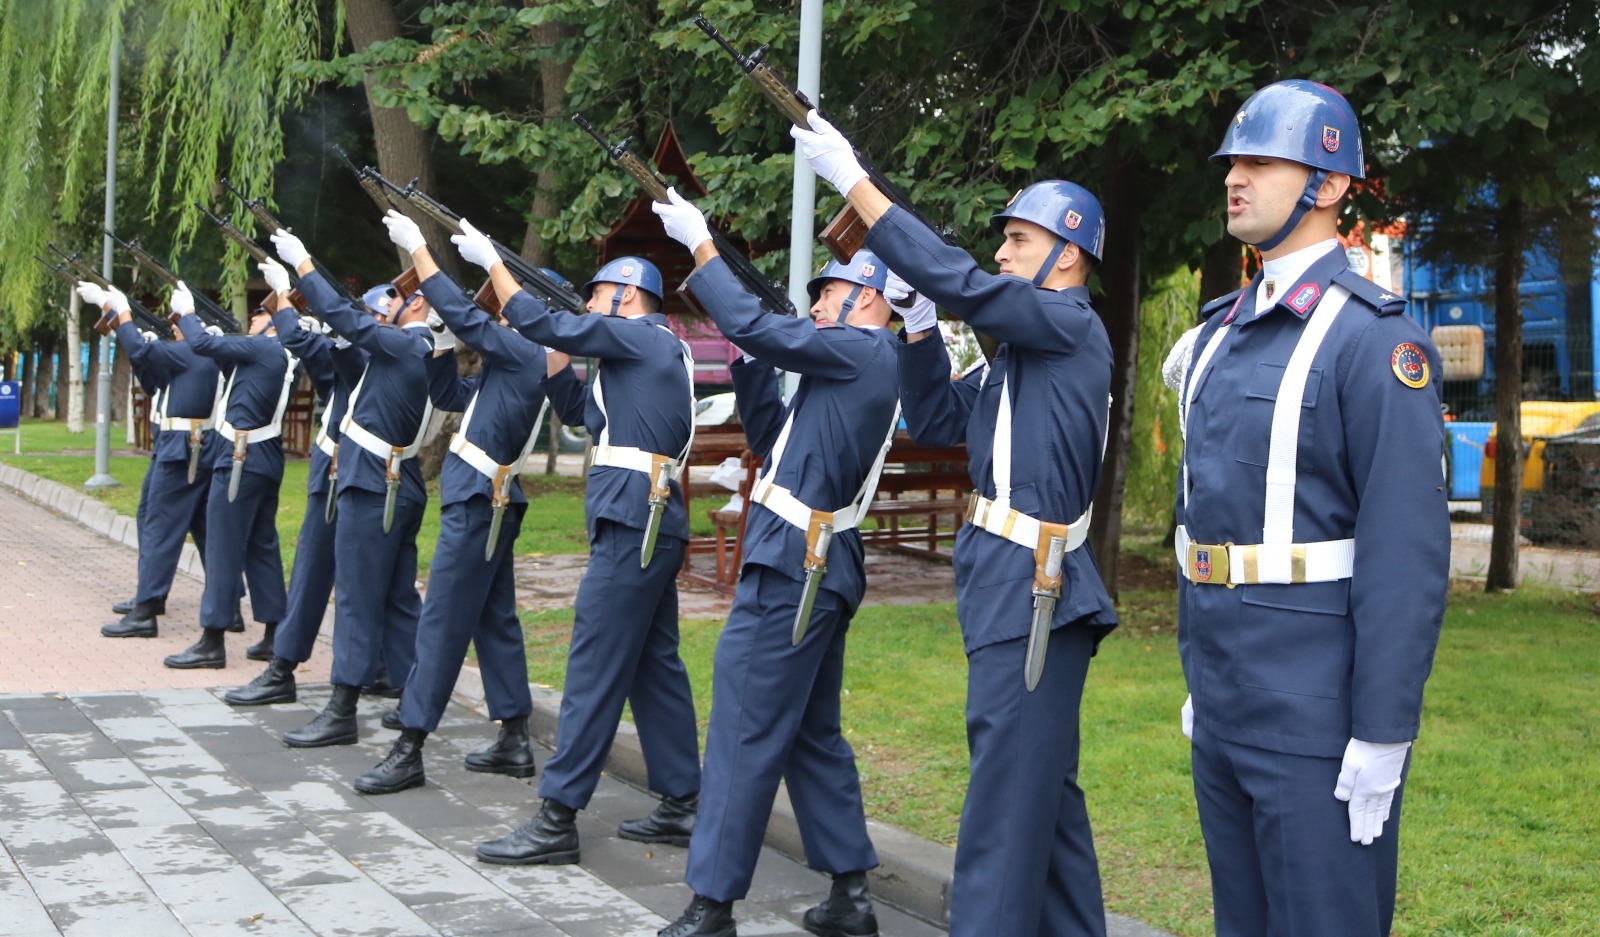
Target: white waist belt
{"x":327,"y":445}
{"x":1019,"y":528}
{"x":782,"y":502}
{"x":1233,"y":564}
{"x":384,"y":450}
{"x":251,"y":436}
{"x":474,"y":456}
{"x":184,"y":424}
{"x":631,"y":458}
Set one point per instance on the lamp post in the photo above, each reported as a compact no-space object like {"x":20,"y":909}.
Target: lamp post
{"x":102,"y":420}
{"x":803,"y":208}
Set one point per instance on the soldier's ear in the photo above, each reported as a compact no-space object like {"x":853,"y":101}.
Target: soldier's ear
{"x":1069,"y":257}
{"x":1334,"y":188}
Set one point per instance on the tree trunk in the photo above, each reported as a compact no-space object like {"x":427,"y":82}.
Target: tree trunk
{"x":1509,"y":236}
{"x":553,"y":75}
{"x":74,"y":367}
{"x":403,"y":147}
{"x":30,"y":383}
{"x":554,"y":449}
{"x":1221,"y":269}
{"x":121,"y":375}
{"x":1119,"y":310}
{"x":62,"y":382}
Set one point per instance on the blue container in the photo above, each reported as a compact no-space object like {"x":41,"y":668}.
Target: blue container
{"x":1466,"y":458}
{"x":10,"y":404}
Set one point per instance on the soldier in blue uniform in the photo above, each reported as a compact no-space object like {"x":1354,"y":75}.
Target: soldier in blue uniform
{"x":777,"y":678}
{"x":379,"y":495}
{"x":1313,"y":542}
{"x":334,"y":366}
{"x":639,"y":410}
{"x":472,"y":581}
{"x":242,"y":506}
{"x":183,"y":393}
{"x":1034,"y":422}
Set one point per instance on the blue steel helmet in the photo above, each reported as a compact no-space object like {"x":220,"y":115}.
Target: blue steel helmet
{"x":374,"y":299}
{"x":864,"y":269}
{"x":1065,"y":209}
{"x":631,"y":271}
{"x":1298,"y":120}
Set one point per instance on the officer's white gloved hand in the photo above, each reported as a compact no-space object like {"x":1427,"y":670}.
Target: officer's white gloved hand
{"x":277,"y":278}
{"x":309,"y":324}
{"x":290,"y":248}
{"x":685,"y":223}
{"x":1186,"y":717}
{"x":919,"y":314}
{"x":340,"y":343}
{"x":403,"y":231}
{"x":213,"y":330}
{"x":91,"y":294}
{"x":119,"y":302}
{"x":148,"y":335}
{"x":443,"y":338}
{"x":1367,"y":781}
{"x":181,"y":301}
{"x":829,"y":153}
{"x":475,"y":246}
{"x":1176,"y":366}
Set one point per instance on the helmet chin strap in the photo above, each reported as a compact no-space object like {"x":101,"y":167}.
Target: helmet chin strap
{"x":849,"y":305}
{"x":1049,"y":262}
{"x":1308,"y":201}
{"x":616,"y":300}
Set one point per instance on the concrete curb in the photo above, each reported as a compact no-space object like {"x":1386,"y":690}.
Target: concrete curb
{"x":914,"y":874}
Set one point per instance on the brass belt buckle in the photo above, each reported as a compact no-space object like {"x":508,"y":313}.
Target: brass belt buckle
{"x":1207,"y":564}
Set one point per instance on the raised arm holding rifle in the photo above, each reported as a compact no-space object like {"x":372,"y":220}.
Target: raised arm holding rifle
{"x":1029,"y":597}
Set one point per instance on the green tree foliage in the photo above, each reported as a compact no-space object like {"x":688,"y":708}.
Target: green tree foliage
{"x":204,"y":83}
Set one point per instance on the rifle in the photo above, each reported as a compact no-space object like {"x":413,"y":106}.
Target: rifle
{"x":845,"y":234}
{"x":655,"y":186}
{"x":82,"y":271}
{"x":264,"y":217}
{"x":369,"y":185}
{"x":204,"y":306}
{"x":536,"y":281}
{"x":231,"y":232}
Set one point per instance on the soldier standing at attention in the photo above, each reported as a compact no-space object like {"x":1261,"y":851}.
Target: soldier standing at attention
{"x":1034,"y":423}
{"x":780,"y":660}
{"x":1313,"y":539}
{"x":242,"y":506}
{"x":472,"y":581}
{"x":380,"y":496}
{"x":640,"y":411}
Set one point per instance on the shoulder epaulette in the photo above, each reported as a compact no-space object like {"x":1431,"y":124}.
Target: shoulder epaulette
{"x":1221,"y":302}
{"x":1380,"y":301}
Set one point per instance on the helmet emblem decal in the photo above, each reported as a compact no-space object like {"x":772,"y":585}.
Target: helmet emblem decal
{"x":868,"y":270}
{"x":627,"y":270}
{"x":1073,"y":220}
{"x":1330,"y":138}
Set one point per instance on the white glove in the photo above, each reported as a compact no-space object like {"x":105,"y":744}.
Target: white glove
{"x":685,"y":223}
{"x":277,"y":278}
{"x":148,"y":336}
{"x":1367,"y":781}
{"x":403,"y":231}
{"x":213,"y":330}
{"x":289,"y":248}
{"x":1176,"y":366}
{"x":443,"y":338}
{"x":340,"y":343}
{"x":920,"y":315}
{"x":1186,"y":717}
{"x":119,"y":303}
{"x":829,"y":153}
{"x":91,"y":294}
{"x":475,"y":246}
{"x":182,"y":301}
{"x":309,"y":324}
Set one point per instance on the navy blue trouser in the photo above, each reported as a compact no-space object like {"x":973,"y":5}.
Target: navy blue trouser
{"x":310,"y":583}
{"x":1278,"y":842}
{"x":242,"y":540}
{"x":625,"y":648}
{"x":469,"y":599}
{"x":1025,"y":861}
{"x":169,"y":510}
{"x":775,"y":714}
{"x":376,"y":600}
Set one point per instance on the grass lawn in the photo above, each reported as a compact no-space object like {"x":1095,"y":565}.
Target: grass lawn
{"x":1501,"y":820}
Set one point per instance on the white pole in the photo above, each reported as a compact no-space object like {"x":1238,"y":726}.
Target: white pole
{"x":803,"y":209}
{"x":102,"y":421}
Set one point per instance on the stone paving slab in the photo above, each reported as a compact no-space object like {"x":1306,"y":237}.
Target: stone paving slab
{"x":148,"y":813}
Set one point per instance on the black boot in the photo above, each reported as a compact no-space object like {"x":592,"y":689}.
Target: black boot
{"x":126,"y":606}
{"x":380,"y":685}
{"x":208,"y":652}
{"x":551,"y":838}
{"x":273,"y":685}
{"x":703,"y":918}
{"x":262,"y":650}
{"x":671,"y":822}
{"x":391,"y":719}
{"x":138,"y":622}
{"x":510,"y":754}
{"x":400,"y":769}
{"x":847,"y":912}
{"x":335,"y":725}
{"x":236,"y":625}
